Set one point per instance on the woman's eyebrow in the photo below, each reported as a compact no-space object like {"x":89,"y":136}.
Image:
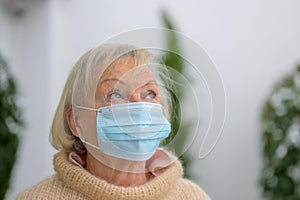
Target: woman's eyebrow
{"x":150,"y":82}
{"x":113,"y":79}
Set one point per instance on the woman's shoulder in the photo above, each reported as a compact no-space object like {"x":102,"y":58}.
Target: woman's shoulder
{"x":191,"y":190}
{"x":50,"y":188}
{"x":36,"y":191}
{"x":42,"y":189}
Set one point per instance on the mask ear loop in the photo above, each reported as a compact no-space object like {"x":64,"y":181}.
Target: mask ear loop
{"x":83,"y":140}
{"x":85,"y":108}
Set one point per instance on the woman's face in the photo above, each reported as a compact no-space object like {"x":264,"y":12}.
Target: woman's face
{"x":124,"y":82}
{"x":121,"y":82}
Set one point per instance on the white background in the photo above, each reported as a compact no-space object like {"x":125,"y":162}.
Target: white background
{"x":253,"y":44}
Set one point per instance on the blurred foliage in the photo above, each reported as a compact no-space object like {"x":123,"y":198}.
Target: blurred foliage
{"x":10,"y":123}
{"x":280,"y":177}
{"x":175,"y":62}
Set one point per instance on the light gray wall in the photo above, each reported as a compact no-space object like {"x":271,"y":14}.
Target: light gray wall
{"x":253,"y":43}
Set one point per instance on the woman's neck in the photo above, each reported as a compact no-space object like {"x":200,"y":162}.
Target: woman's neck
{"x":119,"y":172}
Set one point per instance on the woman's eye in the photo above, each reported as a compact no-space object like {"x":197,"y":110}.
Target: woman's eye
{"x":151,"y":95}
{"x":115,"y":96}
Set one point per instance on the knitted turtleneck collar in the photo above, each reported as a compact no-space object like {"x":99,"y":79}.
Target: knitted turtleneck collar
{"x":82,"y":181}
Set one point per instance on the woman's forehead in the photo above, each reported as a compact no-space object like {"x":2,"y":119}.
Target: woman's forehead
{"x":120,"y":66}
{"x":125,"y":69}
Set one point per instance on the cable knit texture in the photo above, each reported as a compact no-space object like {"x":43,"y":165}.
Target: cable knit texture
{"x":73,"y":182}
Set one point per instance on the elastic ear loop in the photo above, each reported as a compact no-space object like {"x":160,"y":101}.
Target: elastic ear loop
{"x":79,"y":134}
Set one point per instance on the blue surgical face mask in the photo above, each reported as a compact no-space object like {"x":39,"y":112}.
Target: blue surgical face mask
{"x":131,"y":131}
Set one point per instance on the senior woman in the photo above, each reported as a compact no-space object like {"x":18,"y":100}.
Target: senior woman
{"x":112,"y":115}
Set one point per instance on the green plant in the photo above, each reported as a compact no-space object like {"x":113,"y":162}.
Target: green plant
{"x":280,"y":178}
{"x":174,"y":61}
{"x":10,"y":122}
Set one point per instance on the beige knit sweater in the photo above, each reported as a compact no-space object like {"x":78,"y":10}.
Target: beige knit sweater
{"x":73,"y":182}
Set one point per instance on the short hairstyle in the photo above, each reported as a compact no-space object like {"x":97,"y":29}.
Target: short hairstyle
{"x":82,"y":78}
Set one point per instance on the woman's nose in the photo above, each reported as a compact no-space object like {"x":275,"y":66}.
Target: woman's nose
{"x":135,"y":97}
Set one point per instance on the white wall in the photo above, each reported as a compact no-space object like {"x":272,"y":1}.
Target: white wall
{"x":253,"y":44}
{"x":28,"y":53}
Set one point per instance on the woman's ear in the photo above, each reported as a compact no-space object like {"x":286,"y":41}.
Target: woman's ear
{"x":72,"y":122}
